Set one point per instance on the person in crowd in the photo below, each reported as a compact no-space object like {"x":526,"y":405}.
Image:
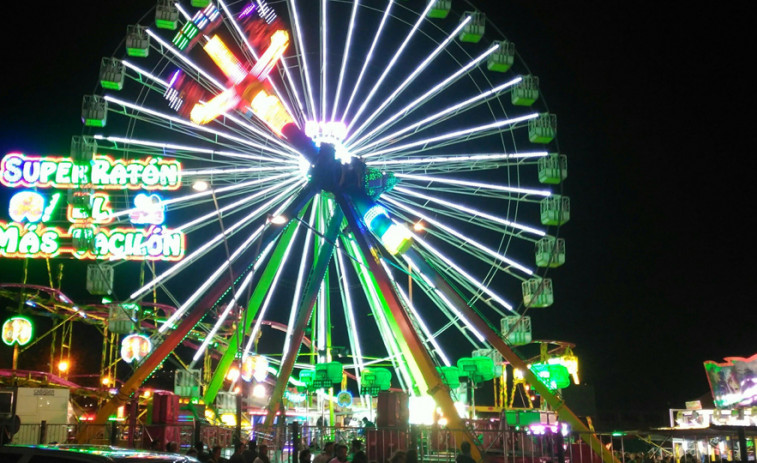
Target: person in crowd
{"x":172,"y":447}
{"x":237,"y":456}
{"x":326,"y":454}
{"x":262,"y":454}
{"x":251,"y":452}
{"x":340,"y":454}
{"x":360,"y":457}
{"x":464,"y":456}
{"x":202,"y":455}
{"x":400,"y":456}
{"x":215,"y":455}
{"x":355,"y":446}
{"x":305,"y":456}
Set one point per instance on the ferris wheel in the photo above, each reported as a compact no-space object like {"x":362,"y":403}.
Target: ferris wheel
{"x":381,"y":177}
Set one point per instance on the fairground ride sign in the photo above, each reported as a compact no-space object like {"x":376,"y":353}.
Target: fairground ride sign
{"x":57,"y":210}
{"x":734,"y":382}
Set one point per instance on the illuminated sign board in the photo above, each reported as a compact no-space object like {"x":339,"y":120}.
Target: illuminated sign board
{"x":36,"y":231}
{"x":734,"y":382}
{"x":102,"y":173}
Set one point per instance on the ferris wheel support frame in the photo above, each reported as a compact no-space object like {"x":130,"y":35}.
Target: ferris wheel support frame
{"x":151,"y":362}
{"x":304,"y":311}
{"x":261,"y":288}
{"x":439,"y":391}
{"x":562,"y":410}
{"x":164,"y":349}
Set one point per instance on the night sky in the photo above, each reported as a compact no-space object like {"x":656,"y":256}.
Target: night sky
{"x":654,"y":114}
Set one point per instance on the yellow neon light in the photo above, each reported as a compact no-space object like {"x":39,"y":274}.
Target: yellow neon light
{"x":279,"y":44}
{"x":271,"y":111}
{"x":202,"y":113}
{"x":225,"y":59}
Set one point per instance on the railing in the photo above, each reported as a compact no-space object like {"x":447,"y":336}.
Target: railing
{"x":430,"y":444}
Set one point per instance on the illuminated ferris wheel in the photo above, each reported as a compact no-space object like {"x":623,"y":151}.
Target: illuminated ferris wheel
{"x":377,"y":178}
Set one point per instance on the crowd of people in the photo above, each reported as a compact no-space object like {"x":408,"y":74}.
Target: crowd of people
{"x":331,"y":452}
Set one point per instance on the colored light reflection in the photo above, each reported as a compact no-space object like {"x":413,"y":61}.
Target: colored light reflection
{"x":17,"y":330}
{"x":254,"y":366}
{"x":135,"y":347}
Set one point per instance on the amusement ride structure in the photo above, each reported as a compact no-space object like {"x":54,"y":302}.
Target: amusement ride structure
{"x":312,"y":191}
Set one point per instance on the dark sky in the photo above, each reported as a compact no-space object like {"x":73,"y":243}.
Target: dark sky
{"x":655,"y":117}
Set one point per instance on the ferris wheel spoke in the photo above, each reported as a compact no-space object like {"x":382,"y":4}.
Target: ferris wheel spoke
{"x":287,"y":195}
{"x":206,"y":196}
{"x":458,"y":270}
{"x":323,"y":74}
{"x":260,"y":315}
{"x":176,"y":120}
{"x":301,"y":56}
{"x":229,"y":171}
{"x":349,"y":315}
{"x":196,"y":69}
{"x":444,"y":307}
{"x":457,"y":162}
{"x":182,"y":151}
{"x":237,"y":206}
{"x":523,"y":193}
{"x":388,"y":68}
{"x":423,"y":99}
{"x":373,"y":296}
{"x":368,"y":58}
{"x":210,"y":337}
{"x":345,"y":58}
{"x":409,"y":79}
{"x":418,"y":321}
{"x":463,"y":238}
{"x":439,"y":117}
{"x":469,"y":210}
{"x":300,"y":276}
{"x":224,"y":267}
{"x":257,"y":234}
{"x":454,"y":137}
{"x":432,"y":290}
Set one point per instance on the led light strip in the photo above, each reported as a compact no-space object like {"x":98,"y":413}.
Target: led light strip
{"x":199,"y":252}
{"x":473,"y":212}
{"x":368,"y":58}
{"x":345,"y":57}
{"x":464,"y":238}
{"x":455,"y":134}
{"x":421,"y":100}
{"x":409,"y":79}
{"x":389,"y":67}
{"x":487,"y":186}
{"x":426,"y":122}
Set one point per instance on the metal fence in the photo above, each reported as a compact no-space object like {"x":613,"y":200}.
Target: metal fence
{"x":430,"y":444}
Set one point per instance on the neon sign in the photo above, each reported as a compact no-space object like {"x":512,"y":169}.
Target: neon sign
{"x":95,"y":209}
{"x":148,"y":209}
{"x":29,"y":233}
{"x":18,"y":241}
{"x":102,"y":173}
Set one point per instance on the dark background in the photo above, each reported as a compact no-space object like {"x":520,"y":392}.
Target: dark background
{"x":654,"y":107}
